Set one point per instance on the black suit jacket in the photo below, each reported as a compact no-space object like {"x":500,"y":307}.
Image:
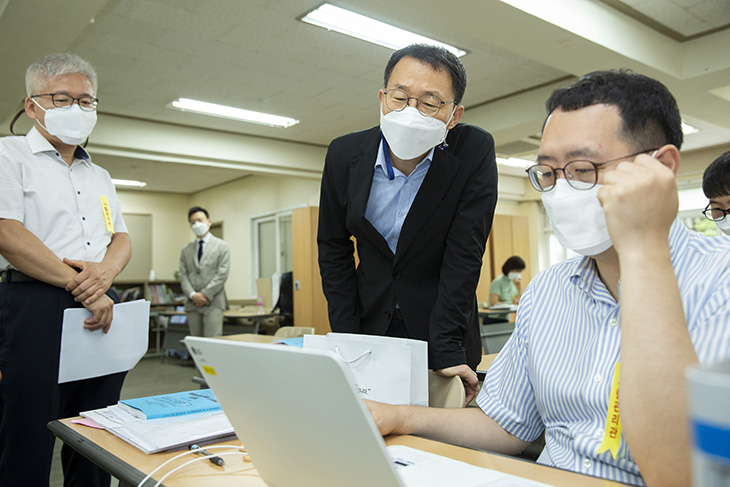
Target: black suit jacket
{"x":435,"y":270}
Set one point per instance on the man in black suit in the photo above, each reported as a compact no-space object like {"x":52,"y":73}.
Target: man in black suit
{"x":418,"y":194}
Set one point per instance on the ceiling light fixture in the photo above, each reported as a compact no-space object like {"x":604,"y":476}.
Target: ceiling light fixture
{"x":128,"y":182}
{"x":223,"y":111}
{"x":515,"y":162}
{"x":688,"y":129}
{"x":367,"y":29}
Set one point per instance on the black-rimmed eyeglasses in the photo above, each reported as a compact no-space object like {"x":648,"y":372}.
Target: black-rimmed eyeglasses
{"x":715,"y":214}
{"x":428,"y":105}
{"x":579,"y":174}
{"x":62,"y":100}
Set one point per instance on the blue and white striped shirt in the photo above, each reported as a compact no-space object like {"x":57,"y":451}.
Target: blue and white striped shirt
{"x":556,"y":370}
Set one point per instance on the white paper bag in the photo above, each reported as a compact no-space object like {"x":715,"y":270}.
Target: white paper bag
{"x":386,"y":369}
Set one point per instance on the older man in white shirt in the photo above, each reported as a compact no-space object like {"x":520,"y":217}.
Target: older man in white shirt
{"x":62,"y":242}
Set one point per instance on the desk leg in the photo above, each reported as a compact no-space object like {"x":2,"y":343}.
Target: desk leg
{"x":127,"y":475}
{"x":156,"y":327}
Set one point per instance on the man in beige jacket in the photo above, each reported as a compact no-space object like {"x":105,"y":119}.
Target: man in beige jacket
{"x":204,"y":265}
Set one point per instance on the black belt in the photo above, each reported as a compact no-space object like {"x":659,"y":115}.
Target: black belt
{"x":397,"y":314}
{"x":13,"y":275}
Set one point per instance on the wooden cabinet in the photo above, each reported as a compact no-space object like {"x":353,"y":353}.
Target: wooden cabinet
{"x":310,"y":305}
{"x":509,"y":236}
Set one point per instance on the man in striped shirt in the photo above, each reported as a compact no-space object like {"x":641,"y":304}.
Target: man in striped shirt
{"x":647,"y":294}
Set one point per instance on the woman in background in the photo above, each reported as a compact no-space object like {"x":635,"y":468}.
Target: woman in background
{"x":507,"y":288}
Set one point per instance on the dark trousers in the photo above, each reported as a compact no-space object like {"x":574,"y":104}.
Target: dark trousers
{"x":31,"y":314}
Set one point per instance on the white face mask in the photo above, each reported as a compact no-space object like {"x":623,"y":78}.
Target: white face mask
{"x":200,"y":228}
{"x":577,"y":218}
{"x":724,"y":225}
{"x":410,"y":134}
{"x":71,"y":125}
{"x":514,"y":276}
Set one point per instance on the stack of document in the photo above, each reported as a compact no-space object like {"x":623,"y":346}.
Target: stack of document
{"x":154,"y":435}
{"x":504,"y":306}
{"x":169,"y":405}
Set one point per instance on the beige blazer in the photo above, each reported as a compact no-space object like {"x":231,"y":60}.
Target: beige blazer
{"x":207,"y":276}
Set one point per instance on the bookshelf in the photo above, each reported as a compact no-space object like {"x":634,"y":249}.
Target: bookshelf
{"x":162,"y":295}
{"x":158,"y":293}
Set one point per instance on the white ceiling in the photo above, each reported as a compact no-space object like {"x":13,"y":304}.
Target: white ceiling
{"x":687,"y":18}
{"x":255,"y":54}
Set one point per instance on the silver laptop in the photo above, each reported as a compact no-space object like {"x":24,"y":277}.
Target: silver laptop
{"x":297,"y":413}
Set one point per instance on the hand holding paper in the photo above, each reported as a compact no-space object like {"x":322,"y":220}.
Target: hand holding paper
{"x":102,"y":313}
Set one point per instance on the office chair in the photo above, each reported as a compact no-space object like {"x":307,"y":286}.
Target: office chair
{"x":293,"y":331}
{"x":445,"y":392}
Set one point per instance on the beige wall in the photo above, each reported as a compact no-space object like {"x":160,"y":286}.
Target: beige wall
{"x":233,"y":204}
{"x":694,"y":163}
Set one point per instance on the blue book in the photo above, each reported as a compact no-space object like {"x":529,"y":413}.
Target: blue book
{"x":169,"y":405}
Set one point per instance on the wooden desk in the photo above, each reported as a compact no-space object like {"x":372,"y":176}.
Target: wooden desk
{"x":130,"y":465}
{"x":248,"y":312}
{"x":250,"y":337}
{"x":489,"y":311}
{"x":486,"y":362}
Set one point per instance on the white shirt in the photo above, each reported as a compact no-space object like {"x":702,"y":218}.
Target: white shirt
{"x":205,"y":241}
{"x":58,"y":203}
{"x":556,"y":370}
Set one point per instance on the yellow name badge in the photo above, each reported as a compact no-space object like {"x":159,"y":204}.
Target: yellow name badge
{"x":612,"y":435}
{"x":107,"y":214}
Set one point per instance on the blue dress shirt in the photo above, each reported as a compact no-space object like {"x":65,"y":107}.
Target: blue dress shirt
{"x":390,"y":201}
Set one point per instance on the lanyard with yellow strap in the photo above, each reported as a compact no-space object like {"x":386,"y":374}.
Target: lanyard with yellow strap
{"x":612,"y":434}
{"x":107,"y":214}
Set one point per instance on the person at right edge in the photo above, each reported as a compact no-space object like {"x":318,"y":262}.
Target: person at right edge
{"x":716,"y":186}
{"x":418,"y":194}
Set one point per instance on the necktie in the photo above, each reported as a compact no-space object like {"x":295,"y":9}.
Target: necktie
{"x":200,"y":250}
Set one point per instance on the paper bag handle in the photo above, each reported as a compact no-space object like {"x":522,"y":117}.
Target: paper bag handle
{"x":339,"y":352}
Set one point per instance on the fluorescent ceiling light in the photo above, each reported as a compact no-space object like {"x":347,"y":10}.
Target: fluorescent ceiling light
{"x":367,"y":29}
{"x":127,"y":182}
{"x":692,"y":199}
{"x":688,"y":129}
{"x":515,"y":162}
{"x":186,"y":104}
